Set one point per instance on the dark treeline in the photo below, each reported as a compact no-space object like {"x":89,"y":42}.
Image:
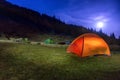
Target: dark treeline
{"x":22,"y":22}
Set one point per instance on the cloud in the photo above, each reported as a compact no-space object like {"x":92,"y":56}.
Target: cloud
{"x":80,"y":12}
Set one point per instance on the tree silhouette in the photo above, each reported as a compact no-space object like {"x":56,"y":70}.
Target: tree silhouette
{"x":119,"y":37}
{"x":21,"y":22}
{"x":112,"y":36}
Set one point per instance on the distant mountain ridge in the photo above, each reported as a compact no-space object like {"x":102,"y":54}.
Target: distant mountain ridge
{"x":19,"y":21}
{"x":14,"y":19}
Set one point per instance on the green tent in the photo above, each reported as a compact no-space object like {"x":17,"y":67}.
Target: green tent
{"x":48,"y":41}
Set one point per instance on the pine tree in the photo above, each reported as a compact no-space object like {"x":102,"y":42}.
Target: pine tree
{"x":112,"y":36}
{"x":100,"y":31}
{"x":119,"y":37}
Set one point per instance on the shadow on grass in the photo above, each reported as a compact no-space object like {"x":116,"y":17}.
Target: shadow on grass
{"x":83,"y":59}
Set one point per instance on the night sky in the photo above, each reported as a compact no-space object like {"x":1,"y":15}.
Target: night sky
{"x":80,"y":12}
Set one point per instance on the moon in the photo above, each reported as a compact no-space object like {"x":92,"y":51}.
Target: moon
{"x":100,"y":24}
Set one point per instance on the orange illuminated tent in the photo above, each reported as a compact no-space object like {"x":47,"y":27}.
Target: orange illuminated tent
{"x":89,"y":44}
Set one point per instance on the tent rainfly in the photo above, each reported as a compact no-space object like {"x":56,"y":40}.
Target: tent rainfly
{"x":88,"y":44}
{"x":48,"y":41}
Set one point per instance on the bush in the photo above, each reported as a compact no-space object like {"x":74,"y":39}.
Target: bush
{"x":114,"y":47}
{"x":38,"y":43}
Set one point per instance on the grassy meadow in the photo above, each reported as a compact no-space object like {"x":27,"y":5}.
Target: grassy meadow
{"x":36,"y":62}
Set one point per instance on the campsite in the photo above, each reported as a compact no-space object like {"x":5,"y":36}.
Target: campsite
{"x":59,"y":40}
{"x":25,"y":61}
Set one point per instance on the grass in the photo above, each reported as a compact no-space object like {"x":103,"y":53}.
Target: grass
{"x":56,"y":38}
{"x":36,"y":62}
